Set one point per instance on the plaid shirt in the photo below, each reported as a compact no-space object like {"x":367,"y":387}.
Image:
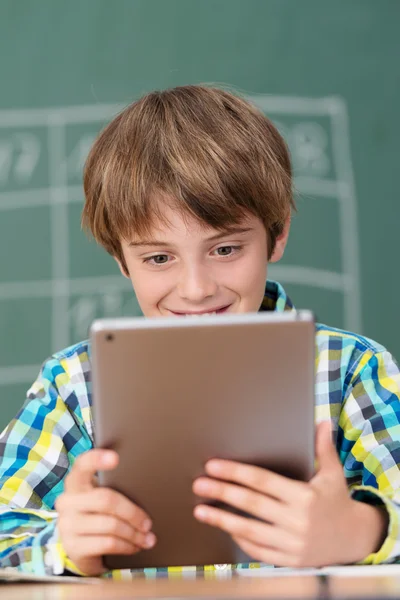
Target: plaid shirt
{"x":357,"y":387}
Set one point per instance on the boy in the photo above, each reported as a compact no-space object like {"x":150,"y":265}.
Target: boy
{"x":190,"y":190}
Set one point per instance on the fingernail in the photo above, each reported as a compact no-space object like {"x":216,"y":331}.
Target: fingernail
{"x":108,"y":459}
{"x":201,"y":485}
{"x":200,"y":513}
{"x":146,"y":525}
{"x":213,"y":466}
{"x":150,"y":540}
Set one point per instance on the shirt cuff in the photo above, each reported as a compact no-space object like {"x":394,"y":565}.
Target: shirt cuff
{"x":390,"y":549}
{"x":59,"y":560}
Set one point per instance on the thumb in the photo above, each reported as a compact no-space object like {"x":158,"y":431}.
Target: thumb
{"x":325,"y":450}
{"x":81,"y":477}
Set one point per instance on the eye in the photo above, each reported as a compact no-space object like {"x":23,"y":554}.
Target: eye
{"x":227,"y":250}
{"x":158,"y":259}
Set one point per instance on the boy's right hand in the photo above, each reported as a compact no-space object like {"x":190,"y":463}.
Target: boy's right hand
{"x":93,"y":521}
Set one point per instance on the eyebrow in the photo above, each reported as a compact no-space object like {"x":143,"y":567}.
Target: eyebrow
{"x":217,"y":236}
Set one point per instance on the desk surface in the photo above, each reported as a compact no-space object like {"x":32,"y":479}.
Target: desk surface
{"x":306,"y":587}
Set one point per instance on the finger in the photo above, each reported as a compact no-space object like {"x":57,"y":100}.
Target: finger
{"x":325,"y":450}
{"x":107,"y":525}
{"x":268,"y":556}
{"x":105,"y":501}
{"x":98,"y":545}
{"x":261,"y":480}
{"x":252,"y":530}
{"x":254,"y":503}
{"x":85,"y":467}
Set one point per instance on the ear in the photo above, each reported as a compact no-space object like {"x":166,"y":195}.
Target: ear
{"x":121,"y":268}
{"x":281,"y":242}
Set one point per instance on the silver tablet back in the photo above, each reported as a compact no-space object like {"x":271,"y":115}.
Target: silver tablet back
{"x":169,"y":394}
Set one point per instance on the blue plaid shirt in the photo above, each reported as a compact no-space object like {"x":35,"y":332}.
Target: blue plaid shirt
{"x":357,"y":387}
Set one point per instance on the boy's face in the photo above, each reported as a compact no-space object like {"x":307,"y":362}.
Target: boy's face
{"x":187,"y":268}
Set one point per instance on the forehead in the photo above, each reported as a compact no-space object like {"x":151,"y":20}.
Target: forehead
{"x":178,"y":223}
{"x":170,"y":223}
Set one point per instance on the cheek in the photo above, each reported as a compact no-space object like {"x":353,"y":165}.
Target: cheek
{"x":253,"y":277}
{"x":254,"y":271}
{"x":149,"y":288}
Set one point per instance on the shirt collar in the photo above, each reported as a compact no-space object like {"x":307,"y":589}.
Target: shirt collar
{"x":275,"y":298}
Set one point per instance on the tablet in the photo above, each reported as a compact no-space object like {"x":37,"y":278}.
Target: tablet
{"x":171,"y":393}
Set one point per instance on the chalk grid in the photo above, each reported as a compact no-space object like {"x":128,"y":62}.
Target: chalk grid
{"x":50,"y":145}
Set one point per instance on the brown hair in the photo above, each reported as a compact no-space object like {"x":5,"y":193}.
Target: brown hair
{"x":210,"y":152}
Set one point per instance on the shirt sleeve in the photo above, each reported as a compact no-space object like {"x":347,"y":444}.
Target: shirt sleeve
{"x":37,"y":450}
{"x":369,"y":444}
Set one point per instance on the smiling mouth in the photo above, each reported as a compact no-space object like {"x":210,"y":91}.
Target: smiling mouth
{"x":216,"y":311}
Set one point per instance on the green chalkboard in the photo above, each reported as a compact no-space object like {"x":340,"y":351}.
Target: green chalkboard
{"x":326,"y":72}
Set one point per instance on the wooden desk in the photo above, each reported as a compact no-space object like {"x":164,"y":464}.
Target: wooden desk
{"x":364,"y":587}
{"x":304,"y":587}
{"x":271,"y":587}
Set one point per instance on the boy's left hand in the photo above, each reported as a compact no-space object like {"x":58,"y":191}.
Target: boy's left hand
{"x":296,"y":524}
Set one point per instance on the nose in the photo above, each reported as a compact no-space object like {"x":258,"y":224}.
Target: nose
{"x":196,"y":284}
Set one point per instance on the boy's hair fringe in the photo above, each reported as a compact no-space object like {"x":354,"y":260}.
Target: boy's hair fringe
{"x":204,"y":150}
